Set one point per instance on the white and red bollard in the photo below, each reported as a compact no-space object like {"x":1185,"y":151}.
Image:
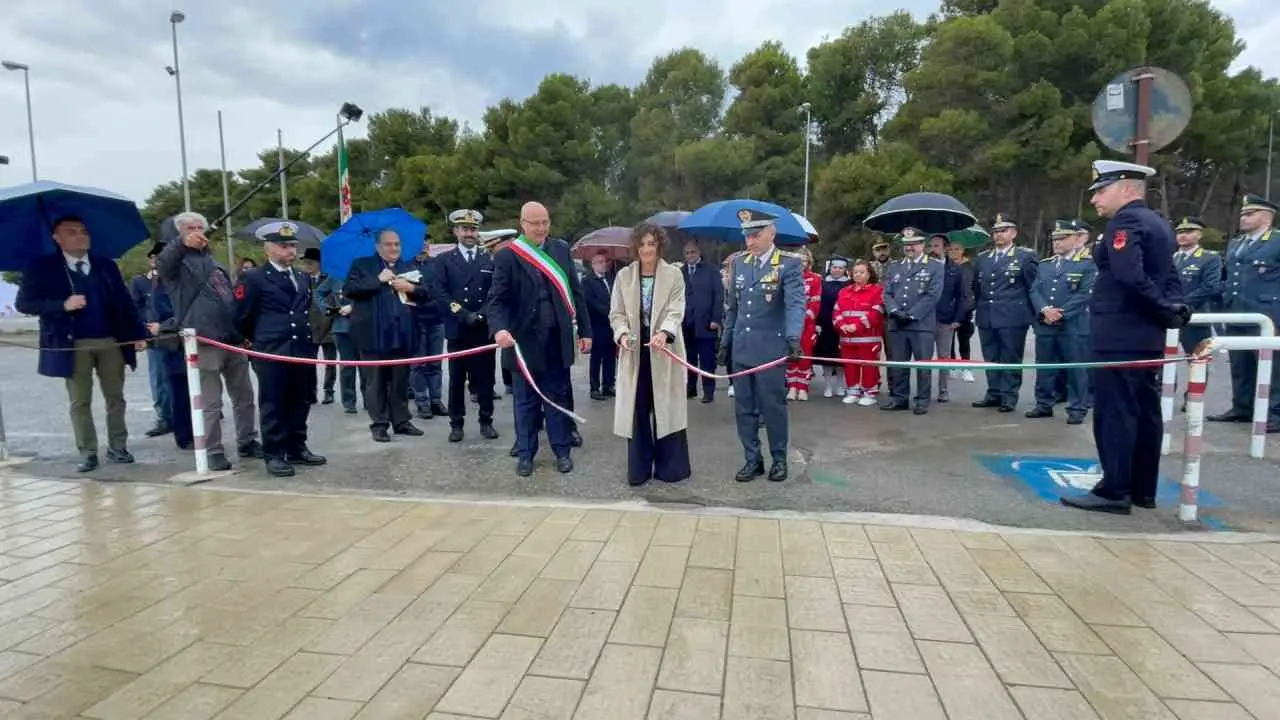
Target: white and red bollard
{"x":1188,"y":505}
{"x":1261,"y":403}
{"x":191,"y":353}
{"x":1169,"y":389}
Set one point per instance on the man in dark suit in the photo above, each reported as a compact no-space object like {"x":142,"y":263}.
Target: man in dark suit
{"x":597,"y":290}
{"x":1137,"y":297}
{"x":273,"y":306}
{"x":87,"y":320}
{"x":703,"y":315}
{"x":382,"y":326}
{"x":140,"y":288}
{"x":426,"y":378}
{"x":465,"y":277}
{"x":535,"y":301}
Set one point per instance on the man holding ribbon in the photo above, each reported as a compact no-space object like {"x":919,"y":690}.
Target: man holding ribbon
{"x":535,"y":312}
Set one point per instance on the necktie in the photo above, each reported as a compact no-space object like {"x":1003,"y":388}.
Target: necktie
{"x":293,"y":279}
{"x":80,"y":267}
{"x":1057,"y":262}
{"x":470,"y":257}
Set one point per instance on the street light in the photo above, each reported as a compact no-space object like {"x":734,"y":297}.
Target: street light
{"x":4,"y":159}
{"x":175,"y":72}
{"x":1271,"y":136}
{"x":808,"y":130}
{"x":31,"y":131}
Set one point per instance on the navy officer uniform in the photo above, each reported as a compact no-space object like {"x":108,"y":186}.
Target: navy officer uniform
{"x":466,"y":274}
{"x":1201,"y":273}
{"x":1063,"y":284}
{"x":763,"y":322}
{"x":1002,"y":282}
{"x":272,"y":311}
{"x":1136,"y":299}
{"x":1253,"y":286}
{"x":913,"y":285}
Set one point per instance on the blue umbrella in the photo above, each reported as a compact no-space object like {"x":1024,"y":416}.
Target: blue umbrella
{"x":358,"y":236}
{"x":719,"y":220}
{"x":27,"y":214}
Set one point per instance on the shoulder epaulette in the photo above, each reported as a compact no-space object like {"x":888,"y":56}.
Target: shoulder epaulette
{"x":1022,"y":249}
{"x":1086,"y":255}
{"x":1047,"y":259}
{"x":791,"y":254}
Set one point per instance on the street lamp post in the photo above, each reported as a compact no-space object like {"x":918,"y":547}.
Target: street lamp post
{"x":808,"y":130}
{"x":31,"y":130}
{"x":1271,"y":136}
{"x":175,"y":71}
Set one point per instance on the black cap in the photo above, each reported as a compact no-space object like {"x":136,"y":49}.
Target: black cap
{"x":1002,"y":221}
{"x":1064,"y":228}
{"x":1188,"y":224}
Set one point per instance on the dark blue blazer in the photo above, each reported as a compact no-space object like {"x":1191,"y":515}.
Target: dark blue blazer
{"x":140,"y":290}
{"x":46,"y":285}
{"x":160,"y":310}
{"x":272,"y":314}
{"x":1137,"y":282}
{"x":703,"y":300}
{"x":466,"y":290}
{"x":432,"y":311}
{"x":513,"y":306}
{"x":597,"y":299}
{"x":957,"y":299}
{"x":377,"y":314}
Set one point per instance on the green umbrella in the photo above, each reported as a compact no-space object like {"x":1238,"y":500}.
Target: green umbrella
{"x":970,"y":237}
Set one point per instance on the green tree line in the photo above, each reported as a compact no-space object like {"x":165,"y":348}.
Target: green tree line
{"x":989,"y":101}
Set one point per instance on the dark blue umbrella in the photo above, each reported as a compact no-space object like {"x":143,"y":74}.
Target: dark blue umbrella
{"x":309,"y":236}
{"x":669,"y":219}
{"x":27,"y":214}
{"x":928,"y":212}
{"x":719,"y":220}
{"x":358,"y":237}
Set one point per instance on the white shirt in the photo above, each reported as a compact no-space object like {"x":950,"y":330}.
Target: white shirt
{"x":761,"y":259}
{"x":288,"y":271}
{"x":468,"y":253}
{"x":72,"y":261}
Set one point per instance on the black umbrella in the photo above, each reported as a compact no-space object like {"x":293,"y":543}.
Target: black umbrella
{"x":927,"y":212}
{"x":309,"y":236}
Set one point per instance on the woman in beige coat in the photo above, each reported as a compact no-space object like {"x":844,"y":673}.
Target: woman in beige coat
{"x":650,"y":410}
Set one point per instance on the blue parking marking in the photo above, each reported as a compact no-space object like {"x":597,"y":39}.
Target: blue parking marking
{"x":1049,"y":479}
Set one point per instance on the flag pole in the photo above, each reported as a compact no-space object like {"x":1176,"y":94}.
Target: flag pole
{"x":280,"y":167}
{"x":226,"y":199}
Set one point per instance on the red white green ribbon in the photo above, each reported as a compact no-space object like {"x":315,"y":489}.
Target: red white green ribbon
{"x":545,"y":264}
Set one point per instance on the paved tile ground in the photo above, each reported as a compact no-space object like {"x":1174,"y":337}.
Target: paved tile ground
{"x":130,"y":601}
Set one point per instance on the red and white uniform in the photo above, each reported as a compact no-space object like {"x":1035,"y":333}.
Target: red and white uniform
{"x":859,"y":318}
{"x":800,"y":372}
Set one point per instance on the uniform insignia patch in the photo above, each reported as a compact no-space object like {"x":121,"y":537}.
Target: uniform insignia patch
{"x":239,"y":292}
{"x":454,"y":307}
{"x":744,"y":215}
{"x":1119,"y":240}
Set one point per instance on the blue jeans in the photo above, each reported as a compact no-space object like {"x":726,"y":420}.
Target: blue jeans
{"x":425,"y":378}
{"x":347,"y":373}
{"x":159,"y":387}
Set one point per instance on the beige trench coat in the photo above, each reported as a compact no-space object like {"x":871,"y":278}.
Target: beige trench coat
{"x":671,"y":406}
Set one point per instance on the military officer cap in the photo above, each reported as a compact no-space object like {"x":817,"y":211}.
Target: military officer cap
{"x":1106,"y":172}
{"x":753,"y":221}
{"x":1254,"y":203}
{"x":1067,"y":228}
{"x":281,"y":232}
{"x":1002,"y":221}
{"x":1189,"y":224}
{"x":466,"y":218}
{"x":881,"y":245}
{"x":910,"y":235}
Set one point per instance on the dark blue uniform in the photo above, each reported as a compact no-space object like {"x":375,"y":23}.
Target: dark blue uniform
{"x":1201,"y":273}
{"x":466,"y":289}
{"x":1253,"y":286}
{"x":272,"y":308}
{"x":1064,"y":282}
{"x":1136,"y":288}
{"x":1001,"y":288}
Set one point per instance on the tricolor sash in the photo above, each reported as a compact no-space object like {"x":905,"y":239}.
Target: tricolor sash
{"x":545,"y":264}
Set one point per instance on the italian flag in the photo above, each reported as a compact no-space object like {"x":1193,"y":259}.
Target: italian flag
{"x":344,"y":181}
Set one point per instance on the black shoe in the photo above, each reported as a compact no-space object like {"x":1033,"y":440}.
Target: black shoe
{"x":636,"y":481}
{"x":408,"y":428}
{"x":986,"y":403}
{"x":88,"y":463}
{"x":1007,"y":408}
{"x":1039,"y":412}
{"x":778,"y":472}
{"x":349,"y":410}
{"x":119,"y":456}
{"x":894,"y":407}
{"x":609,"y":392}
{"x":920,"y":410}
{"x":186,"y":446}
{"x":1075,"y":419}
{"x":487,"y":432}
{"x":750,"y":471}
{"x":515,"y":449}
{"x":597,"y":395}
{"x":1230,"y":416}
{"x":707,"y":399}
{"x":251,"y":449}
{"x":438,"y":408}
{"x":575,"y":438}
{"x":380,"y":434}
{"x":564,"y":464}
{"x":1147,"y":503}
{"x":328,"y":398}
{"x":219,"y":462}
{"x":1098,"y":504}
{"x":691,"y":394}
{"x":424,"y":413}
{"x":279,"y":467}
{"x":944,"y":397}
{"x":158,"y":430}
{"x":524,"y":468}
{"x":455,"y":435}
{"x":306,"y":457}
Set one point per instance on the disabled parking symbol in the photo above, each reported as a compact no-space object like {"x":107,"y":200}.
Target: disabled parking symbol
{"x":1049,"y":479}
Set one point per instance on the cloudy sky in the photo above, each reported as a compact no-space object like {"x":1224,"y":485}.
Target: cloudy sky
{"x":104,"y":106}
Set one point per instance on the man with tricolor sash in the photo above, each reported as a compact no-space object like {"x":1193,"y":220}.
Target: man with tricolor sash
{"x":536,"y":313}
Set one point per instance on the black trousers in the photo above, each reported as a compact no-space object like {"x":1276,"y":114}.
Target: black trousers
{"x":479,"y":370}
{"x":1244,"y":375}
{"x":964,"y":341}
{"x":910,"y":345}
{"x":285,"y":394}
{"x":1127,"y":427}
{"x":604,"y":363}
{"x":1003,"y":345}
{"x":650,"y":456}
{"x":180,"y":408}
{"x":385,"y":390}
{"x":701,"y":353}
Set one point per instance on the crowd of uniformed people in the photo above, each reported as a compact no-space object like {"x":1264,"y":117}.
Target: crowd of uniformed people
{"x":1109,"y":298}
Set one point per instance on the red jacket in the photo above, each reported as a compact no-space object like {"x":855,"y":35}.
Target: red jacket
{"x":863,"y":308}
{"x":812,"y":297}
